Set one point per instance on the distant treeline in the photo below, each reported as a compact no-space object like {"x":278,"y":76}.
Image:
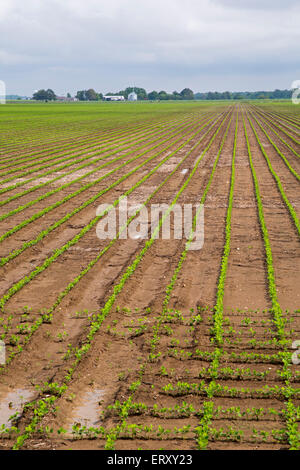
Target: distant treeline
{"x":185,"y":94}
{"x":188,"y":94}
{"x":246,"y":95}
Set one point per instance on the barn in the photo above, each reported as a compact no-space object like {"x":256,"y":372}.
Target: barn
{"x":114,"y":98}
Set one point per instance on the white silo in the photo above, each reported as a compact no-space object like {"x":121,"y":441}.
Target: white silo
{"x":132,"y":96}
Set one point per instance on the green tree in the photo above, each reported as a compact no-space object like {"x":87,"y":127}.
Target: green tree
{"x":80,"y":95}
{"x":227,"y":95}
{"x":51,"y":96}
{"x":176,"y":95}
{"x":153,"y":95}
{"x":187,"y":94}
{"x":91,"y":95}
{"x":44,"y":95}
{"x":88,"y":95}
{"x":163,"y":95}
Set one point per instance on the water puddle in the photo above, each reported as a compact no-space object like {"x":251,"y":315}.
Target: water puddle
{"x":13,"y":405}
{"x":88,"y":414}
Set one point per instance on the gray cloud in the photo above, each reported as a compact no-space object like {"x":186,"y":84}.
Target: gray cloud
{"x":160,"y":44}
{"x":258,"y":4}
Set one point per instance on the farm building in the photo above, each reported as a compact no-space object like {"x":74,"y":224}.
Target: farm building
{"x":66,"y":98}
{"x":113,"y":98}
{"x":132,"y":96}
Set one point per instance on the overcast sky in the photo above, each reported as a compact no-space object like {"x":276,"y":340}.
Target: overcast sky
{"x":68,"y":45}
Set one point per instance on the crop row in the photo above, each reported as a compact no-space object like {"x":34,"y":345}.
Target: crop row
{"x":74,"y":161}
{"x":279,"y":125}
{"x":114,"y":434}
{"x":279,"y":322}
{"x":289,"y":206}
{"x":292,"y":170}
{"x":78,"y":208}
{"x":43,"y":404}
{"x":74,"y":282}
{"x":267,"y":123}
{"x":84,"y":165}
{"x":91,"y":138}
{"x":91,"y":141}
{"x":123,"y":156}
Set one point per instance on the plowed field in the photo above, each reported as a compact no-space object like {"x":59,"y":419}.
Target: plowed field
{"x":141,"y":343}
